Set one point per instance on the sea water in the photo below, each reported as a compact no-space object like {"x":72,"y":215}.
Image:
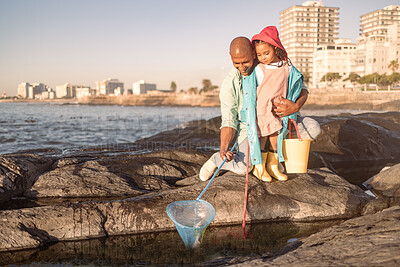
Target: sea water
{"x":29,"y":126}
{"x":219,"y":246}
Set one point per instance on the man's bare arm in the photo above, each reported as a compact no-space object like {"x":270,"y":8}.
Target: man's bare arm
{"x":227,"y":134}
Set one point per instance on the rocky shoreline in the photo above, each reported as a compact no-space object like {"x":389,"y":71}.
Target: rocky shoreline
{"x":119,"y":190}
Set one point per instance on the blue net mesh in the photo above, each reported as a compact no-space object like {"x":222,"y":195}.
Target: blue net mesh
{"x":191,"y":218}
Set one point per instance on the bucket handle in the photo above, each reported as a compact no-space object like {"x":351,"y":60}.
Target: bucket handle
{"x":297,"y":129}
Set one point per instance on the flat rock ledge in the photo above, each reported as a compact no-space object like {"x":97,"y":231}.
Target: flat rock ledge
{"x":318,"y":195}
{"x":19,"y":172}
{"x":370,"y":240}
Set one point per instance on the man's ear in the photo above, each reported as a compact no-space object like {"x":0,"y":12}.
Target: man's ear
{"x":254,"y":54}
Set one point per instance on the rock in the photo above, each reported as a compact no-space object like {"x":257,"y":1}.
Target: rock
{"x":386,"y":183}
{"x":199,"y":134}
{"x":124,"y":175}
{"x":317,"y":195}
{"x":18,"y":172}
{"x":354,"y":146}
{"x":371,"y":240}
{"x":376,"y":205}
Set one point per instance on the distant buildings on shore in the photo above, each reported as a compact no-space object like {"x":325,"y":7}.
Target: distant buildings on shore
{"x":141,"y":87}
{"x":309,"y":34}
{"x":108,"y":87}
{"x":35,"y":91}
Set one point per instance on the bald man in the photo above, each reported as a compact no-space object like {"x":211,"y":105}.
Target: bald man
{"x":244,"y":61}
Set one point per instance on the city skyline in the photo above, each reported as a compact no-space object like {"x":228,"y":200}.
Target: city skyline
{"x":80,"y":42}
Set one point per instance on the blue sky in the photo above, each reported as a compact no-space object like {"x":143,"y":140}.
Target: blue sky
{"x":159,"y":41}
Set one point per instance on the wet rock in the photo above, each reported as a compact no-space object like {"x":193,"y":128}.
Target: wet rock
{"x":199,"y":134}
{"x":376,"y":205}
{"x":18,"y":172}
{"x":386,"y":183}
{"x":356,"y":147}
{"x":125,"y":175}
{"x":318,"y":195}
{"x":371,"y":240}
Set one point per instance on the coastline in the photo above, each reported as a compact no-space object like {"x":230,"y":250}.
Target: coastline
{"x":317,"y":99}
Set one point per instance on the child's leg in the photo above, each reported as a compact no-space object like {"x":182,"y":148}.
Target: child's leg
{"x":263,"y":141}
{"x":272,"y":159}
{"x":273,"y":140}
{"x":259,"y":169}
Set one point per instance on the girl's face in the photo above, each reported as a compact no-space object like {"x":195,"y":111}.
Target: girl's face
{"x":266,"y":53}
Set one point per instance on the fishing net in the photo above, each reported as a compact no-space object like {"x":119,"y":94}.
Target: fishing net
{"x":191,"y":218}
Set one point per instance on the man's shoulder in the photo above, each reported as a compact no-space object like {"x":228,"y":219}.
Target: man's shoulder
{"x":233,"y":74}
{"x":232,"y":80}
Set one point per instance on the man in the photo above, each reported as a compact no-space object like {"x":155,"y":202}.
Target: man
{"x":231,"y":96}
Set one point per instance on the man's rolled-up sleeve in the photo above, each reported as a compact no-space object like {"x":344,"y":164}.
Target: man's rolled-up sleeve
{"x":229,"y":101}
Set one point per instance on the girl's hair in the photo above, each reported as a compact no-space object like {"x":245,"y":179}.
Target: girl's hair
{"x":279,"y":53}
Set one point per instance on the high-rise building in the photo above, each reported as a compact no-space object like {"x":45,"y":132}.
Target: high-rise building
{"x":303,"y":28}
{"x":141,"y":87}
{"x":32,"y":91}
{"x":64,"y":91}
{"x":23,"y":89}
{"x":376,"y":23}
{"x":379,"y":41}
{"x":107,"y":87}
{"x":394,"y":39}
{"x":70,"y":91}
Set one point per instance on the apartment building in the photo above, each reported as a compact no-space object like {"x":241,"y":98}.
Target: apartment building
{"x":379,"y":41}
{"x":376,"y":23}
{"x":32,"y":91}
{"x":304,"y":27}
{"x":141,"y":87}
{"x":23,"y":89}
{"x":83,"y":92}
{"x":339,"y":57}
{"x":70,"y":91}
{"x":109,"y":86}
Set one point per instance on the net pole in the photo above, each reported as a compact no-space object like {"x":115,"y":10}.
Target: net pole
{"x":215,"y":174}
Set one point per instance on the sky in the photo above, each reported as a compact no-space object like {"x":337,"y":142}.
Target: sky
{"x":159,"y":41}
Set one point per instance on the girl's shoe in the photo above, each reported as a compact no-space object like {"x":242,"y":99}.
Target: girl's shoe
{"x":259,"y":169}
{"x":272,"y":167}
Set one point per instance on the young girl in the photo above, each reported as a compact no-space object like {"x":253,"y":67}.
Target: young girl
{"x":273,"y":82}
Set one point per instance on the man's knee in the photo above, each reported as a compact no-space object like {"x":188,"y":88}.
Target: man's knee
{"x":241,"y":169}
{"x":308,"y":128}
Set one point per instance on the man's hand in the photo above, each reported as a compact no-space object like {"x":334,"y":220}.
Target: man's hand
{"x":226,"y":154}
{"x":283,"y":107}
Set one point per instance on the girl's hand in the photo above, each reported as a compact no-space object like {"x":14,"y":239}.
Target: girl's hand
{"x":283,"y":107}
{"x":226,"y":154}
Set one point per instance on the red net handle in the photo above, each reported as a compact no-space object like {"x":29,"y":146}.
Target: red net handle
{"x":297,"y":129}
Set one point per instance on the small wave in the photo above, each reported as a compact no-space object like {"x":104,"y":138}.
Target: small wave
{"x":7,"y":140}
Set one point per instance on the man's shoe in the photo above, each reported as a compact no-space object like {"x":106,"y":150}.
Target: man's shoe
{"x":207,"y":170}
